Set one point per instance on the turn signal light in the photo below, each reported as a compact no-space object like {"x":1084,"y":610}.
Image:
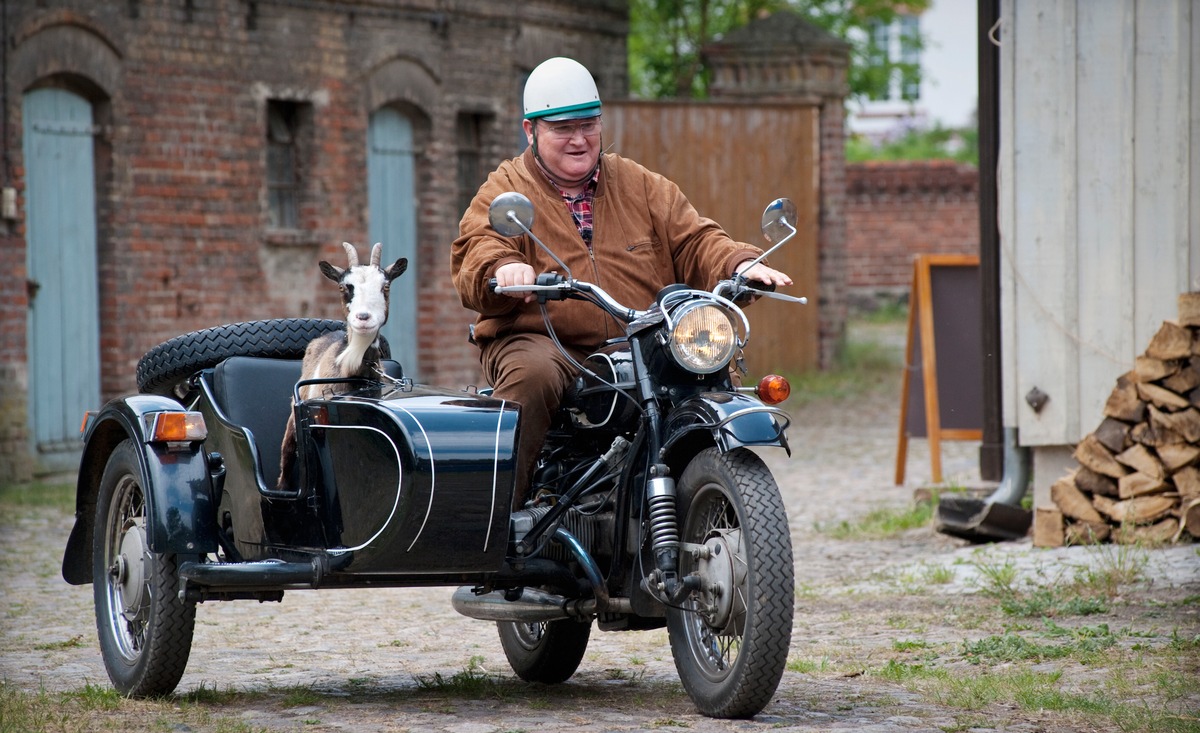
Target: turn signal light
{"x":773,"y":389}
{"x":175,"y":427}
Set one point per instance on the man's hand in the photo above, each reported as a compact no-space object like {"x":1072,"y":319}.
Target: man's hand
{"x":763,"y":274}
{"x":517,"y":273}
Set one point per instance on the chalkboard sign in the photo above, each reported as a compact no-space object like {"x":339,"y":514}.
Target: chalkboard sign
{"x":942,"y":395}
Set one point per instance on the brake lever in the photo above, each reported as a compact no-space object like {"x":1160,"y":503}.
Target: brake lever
{"x":772,"y":294}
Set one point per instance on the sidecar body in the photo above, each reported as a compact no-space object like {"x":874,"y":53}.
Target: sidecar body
{"x":396,"y":483}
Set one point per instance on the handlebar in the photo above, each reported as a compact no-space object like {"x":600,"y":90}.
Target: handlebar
{"x":552,"y":286}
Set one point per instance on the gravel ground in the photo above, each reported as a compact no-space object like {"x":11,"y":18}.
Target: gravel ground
{"x":373,"y":660}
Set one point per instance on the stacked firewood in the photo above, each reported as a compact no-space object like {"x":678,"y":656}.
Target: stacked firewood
{"x":1139,"y":472}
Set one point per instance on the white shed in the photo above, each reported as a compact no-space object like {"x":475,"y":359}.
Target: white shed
{"x":1098,"y":203}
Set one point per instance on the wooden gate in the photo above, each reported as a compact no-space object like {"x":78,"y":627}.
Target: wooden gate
{"x":731,"y":160}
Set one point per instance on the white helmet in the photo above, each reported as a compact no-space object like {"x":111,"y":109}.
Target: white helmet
{"x":561,"y":89}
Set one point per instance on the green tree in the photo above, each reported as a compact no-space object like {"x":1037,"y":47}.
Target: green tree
{"x":666,"y":37}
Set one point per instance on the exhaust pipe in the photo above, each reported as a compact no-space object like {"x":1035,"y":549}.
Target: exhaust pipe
{"x":533,"y":606}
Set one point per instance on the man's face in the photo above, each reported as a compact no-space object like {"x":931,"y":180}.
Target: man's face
{"x":569,"y":149}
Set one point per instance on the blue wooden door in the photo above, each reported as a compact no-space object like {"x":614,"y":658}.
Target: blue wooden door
{"x":60,"y":238}
{"x":392,"y":202}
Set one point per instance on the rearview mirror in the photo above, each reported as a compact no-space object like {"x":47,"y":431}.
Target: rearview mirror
{"x":511,"y":214}
{"x":779,"y":221}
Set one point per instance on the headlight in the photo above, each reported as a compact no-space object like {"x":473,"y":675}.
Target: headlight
{"x":703,"y":339}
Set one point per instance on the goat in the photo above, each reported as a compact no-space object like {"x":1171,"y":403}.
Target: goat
{"x":354,"y":352}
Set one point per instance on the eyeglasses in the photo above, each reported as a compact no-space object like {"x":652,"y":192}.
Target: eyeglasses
{"x":568,"y":130}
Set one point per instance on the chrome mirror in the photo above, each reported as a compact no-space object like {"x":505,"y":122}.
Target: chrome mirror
{"x":779,"y":221}
{"x":511,"y":214}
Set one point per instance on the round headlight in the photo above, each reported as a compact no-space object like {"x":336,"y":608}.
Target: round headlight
{"x":704,"y":339}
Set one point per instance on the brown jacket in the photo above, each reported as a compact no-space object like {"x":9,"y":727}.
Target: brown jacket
{"x":646,"y":235}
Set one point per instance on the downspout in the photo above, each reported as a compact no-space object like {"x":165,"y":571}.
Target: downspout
{"x":1017,"y":472}
{"x":999,"y":516}
{"x":1016,"y":460}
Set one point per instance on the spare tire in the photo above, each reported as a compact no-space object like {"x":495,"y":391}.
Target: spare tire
{"x":174,"y":360}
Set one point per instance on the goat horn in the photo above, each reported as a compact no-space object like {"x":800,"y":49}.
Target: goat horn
{"x":352,"y":253}
{"x":376,"y":254}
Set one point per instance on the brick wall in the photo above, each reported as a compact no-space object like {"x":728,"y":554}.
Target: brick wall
{"x":180,"y":91}
{"x":894,"y":211}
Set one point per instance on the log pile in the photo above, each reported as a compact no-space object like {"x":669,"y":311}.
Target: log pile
{"x":1138,"y":478}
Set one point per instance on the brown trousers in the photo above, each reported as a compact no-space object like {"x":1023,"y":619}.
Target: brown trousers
{"x":527,"y":368}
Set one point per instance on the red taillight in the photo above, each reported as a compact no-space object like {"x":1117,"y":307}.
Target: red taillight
{"x":773,"y":389}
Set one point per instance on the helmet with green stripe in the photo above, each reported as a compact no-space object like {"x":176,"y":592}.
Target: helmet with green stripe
{"x":561,"y":89}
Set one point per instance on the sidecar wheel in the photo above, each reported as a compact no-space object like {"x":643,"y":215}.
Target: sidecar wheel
{"x":548,"y":651}
{"x":730,"y":638}
{"x":145,"y":630}
{"x":174,"y":360}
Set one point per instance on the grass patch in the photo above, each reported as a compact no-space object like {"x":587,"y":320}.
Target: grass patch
{"x":1112,"y":566}
{"x":808,"y":665}
{"x":73,"y":643}
{"x":472,"y":682}
{"x":881,"y":523}
{"x":1002,"y":581}
{"x":38,"y":495}
{"x":1010,"y":647}
{"x":1035,"y":691}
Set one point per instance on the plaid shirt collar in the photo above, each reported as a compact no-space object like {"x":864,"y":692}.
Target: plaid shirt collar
{"x":580,"y":206}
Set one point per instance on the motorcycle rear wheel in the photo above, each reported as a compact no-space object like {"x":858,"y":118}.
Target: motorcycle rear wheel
{"x":546,"y":651}
{"x":145,"y":630}
{"x":730,"y":638}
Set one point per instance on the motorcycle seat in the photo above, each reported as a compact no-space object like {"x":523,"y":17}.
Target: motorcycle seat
{"x":255,"y":393}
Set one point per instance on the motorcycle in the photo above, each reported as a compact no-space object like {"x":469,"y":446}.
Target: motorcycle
{"x":647,"y":508}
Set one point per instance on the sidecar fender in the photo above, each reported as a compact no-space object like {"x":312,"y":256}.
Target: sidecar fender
{"x":175,"y":482}
{"x":726,"y":419}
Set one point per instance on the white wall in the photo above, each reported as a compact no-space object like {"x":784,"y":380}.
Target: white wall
{"x":1099,"y":189}
{"x":949,"y":63}
{"x":949,"y":78}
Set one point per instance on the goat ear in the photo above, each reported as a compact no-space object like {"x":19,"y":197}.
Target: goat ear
{"x":396,"y":269}
{"x":331,"y":272}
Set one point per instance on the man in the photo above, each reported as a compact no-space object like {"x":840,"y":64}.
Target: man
{"x":611,"y":221}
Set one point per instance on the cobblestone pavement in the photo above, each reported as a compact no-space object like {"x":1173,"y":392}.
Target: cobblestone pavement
{"x":369,"y":656}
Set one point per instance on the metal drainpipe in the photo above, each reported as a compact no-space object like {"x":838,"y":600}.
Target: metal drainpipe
{"x":1017,"y":472}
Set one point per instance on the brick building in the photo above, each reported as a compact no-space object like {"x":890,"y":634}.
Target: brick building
{"x":178,"y":164}
{"x":897,"y":210}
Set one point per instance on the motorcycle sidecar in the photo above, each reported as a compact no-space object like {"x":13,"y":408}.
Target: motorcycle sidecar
{"x":397,"y":484}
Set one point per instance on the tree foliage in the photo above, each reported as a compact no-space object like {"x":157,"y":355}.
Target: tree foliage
{"x":666,"y":37}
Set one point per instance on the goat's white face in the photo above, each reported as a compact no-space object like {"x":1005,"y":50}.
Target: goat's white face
{"x":365,"y":289}
{"x":365,"y":297}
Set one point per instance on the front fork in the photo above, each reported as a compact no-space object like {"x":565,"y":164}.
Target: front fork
{"x":663,"y":582}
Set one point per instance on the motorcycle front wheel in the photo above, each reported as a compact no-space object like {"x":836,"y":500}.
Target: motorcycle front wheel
{"x":145,"y":630}
{"x":730,"y":637}
{"x":545,"y":651}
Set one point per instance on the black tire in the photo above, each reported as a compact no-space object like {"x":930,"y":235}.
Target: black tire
{"x":174,"y":360}
{"x":548,"y":651}
{"x":145,"y":630}
{"x":731,"y":655}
